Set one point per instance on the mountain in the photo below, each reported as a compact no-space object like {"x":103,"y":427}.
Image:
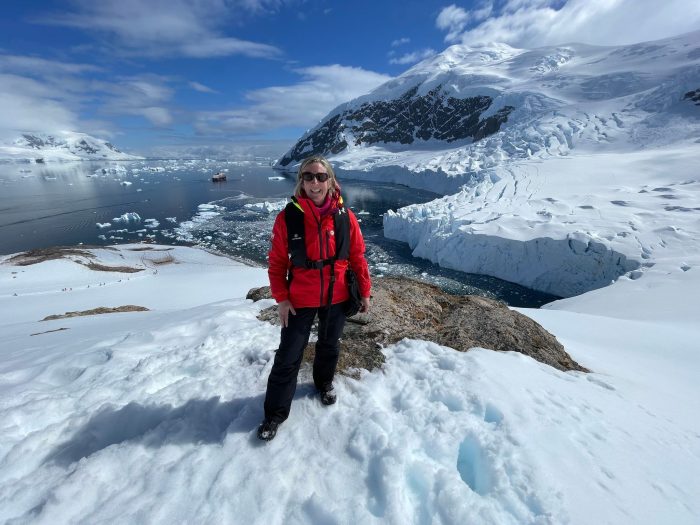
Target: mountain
{"x":563,"y":169}
{"x":63,"y":146}
{"x":467,"y":109}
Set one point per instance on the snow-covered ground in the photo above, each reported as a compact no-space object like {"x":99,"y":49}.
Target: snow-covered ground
{"x":150,"y":417}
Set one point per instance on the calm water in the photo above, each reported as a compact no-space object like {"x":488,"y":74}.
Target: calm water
{"x":175,"y":202}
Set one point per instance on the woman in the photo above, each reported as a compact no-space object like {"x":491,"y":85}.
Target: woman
{"x":303,"y":287}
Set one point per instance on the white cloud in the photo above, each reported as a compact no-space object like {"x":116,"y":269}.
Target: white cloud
{"x":41,"y":95}
{"x":168,"y":27}
{"x":412,"y":58}
{"x":158,"y":116}
{"x":25,"y":64}
{"x":215,"y":47}
{"x":144,"y":96}
{"x":201,"y":87}
{"x":300,"y":105}
{"x":452,"y":19}
{"x":400,"y":42}
{"x":28,"y":105}
{"x":533,"y":23}
{"x":45,"y":95}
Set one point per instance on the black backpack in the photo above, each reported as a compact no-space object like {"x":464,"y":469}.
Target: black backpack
{"x":296,"y":246}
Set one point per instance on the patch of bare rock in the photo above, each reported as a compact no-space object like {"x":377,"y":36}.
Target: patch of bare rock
{"x":40,"y":255}
{"x":83,"y":255}
{"x":405,"y":308}
{"x":97,"y":311}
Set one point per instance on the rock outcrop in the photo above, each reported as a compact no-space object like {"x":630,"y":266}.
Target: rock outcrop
{"x":405,"y":308}
{"x":693,"y":96}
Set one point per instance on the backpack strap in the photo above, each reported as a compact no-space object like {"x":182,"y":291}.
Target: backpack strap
{"x":341,"y":224}
{"x":296,"y":243}
{"x":296,"y":236}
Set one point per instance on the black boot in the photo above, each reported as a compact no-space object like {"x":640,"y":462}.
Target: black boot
{"x":329,"y":397}
{"x":267,"y":430}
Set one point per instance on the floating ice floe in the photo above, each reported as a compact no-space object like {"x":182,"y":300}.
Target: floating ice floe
{"x":151,"y":223}
{"x":205,"y":213}
{"x":103,"y":225}
{"x":267,"y":206}
{"x":115,"y":170}
{"x":275,"y":178}
{"x":126,"y":183}
{"x":171,"y":219}
{"x":131,"y":216}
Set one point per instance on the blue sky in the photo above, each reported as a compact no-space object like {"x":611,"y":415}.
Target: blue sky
{"x":152,"y":73}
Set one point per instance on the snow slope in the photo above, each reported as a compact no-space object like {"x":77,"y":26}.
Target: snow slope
{"x":150,"y":416}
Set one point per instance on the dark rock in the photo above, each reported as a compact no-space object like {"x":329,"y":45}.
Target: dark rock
{"x":433,"y":116}
{"x":404,"y":308}
{"x":86,"y":147}
{"x":693,"y":96}
{"x":259,"y":293}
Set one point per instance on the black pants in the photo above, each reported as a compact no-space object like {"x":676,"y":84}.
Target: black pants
{"x":282,"y":382}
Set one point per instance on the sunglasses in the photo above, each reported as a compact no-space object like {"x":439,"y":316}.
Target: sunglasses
{"x":320,"y":177}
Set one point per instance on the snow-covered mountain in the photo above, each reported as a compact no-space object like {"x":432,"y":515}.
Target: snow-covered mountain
{"x":468,"y":109}
{"x":66,"y":145}
{"x":563,"y":168}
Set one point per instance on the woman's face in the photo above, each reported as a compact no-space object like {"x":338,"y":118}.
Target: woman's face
{"x":314,"y":189}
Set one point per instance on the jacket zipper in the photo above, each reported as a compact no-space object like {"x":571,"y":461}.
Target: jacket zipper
{"x":328,"y":252}
{"x":320,"y":248}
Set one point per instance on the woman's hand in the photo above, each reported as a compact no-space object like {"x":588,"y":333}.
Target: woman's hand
{"x":364,"y":308}
{"x":283,"y":310}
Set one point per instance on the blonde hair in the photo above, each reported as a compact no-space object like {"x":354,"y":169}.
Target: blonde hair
{"x":332,"y":186}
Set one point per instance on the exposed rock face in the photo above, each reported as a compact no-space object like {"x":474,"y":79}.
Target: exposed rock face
{"x":693,"y":96}
{"x":410,"y":117}
{"x":404,"y":308}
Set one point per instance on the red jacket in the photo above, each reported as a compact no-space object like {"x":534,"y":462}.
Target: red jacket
{"x":309,"y":286}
